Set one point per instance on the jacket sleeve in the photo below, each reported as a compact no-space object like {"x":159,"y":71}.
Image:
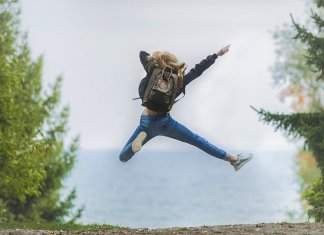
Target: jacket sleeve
{"x":143,"y":57}
{"x":199,"y":69}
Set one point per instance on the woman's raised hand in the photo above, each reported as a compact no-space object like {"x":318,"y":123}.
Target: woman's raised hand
{"x":223,"y":50}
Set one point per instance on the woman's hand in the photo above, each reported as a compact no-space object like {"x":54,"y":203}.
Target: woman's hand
{"x":223,"y":50}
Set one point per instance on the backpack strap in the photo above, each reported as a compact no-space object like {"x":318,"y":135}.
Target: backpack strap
{"x":184,"y":88}
{"x":148,"y":68}
{"x":184,"y":93}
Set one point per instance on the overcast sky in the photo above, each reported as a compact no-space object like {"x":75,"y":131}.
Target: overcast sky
{"x":95,"y":44}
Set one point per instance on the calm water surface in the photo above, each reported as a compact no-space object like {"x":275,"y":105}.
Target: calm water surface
{"x":189,"y":188}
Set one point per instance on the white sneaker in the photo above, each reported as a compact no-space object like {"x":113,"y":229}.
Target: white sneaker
{"x":242,"y":160}
{"x":138,"y":141}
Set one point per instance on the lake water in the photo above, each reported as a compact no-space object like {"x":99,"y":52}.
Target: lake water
{"x":189,"y":188}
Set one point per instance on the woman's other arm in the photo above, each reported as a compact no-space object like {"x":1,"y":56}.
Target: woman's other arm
{"x":203,"y":65}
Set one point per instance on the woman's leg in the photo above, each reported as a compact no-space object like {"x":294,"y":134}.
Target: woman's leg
{"x":127,"y":152}
{"x":148,"y":124}
{"x":179,"y":132}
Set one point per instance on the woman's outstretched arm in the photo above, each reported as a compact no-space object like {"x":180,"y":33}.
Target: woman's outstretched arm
{"x":203,"y":65}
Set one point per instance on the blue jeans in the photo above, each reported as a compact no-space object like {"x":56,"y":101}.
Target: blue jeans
{"x":165,"y":125}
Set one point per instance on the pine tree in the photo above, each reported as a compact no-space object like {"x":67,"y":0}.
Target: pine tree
{"x":308,"y":125}
{"x":33,"y":157}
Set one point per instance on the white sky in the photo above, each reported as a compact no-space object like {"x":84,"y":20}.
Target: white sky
{"x":94,"y":44}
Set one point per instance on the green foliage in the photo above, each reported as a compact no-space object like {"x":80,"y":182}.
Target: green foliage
{"x":33,"y":157}
{"x":57,"y":227}
{"x":5,"y":215}
{"x":308,"y":170}
{"x":301,"y":63}
{"x":315,"y":197}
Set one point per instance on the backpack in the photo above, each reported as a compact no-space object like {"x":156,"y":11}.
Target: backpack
{"x":161,"y":90}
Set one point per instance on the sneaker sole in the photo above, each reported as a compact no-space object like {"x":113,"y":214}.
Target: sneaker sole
{"x":240,"y":166}
{"x":138,"y":142}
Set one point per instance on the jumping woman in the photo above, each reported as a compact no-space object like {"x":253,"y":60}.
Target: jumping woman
{"x":165,"y":80}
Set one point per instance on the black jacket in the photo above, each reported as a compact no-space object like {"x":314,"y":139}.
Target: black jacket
{"x":190,"y":76}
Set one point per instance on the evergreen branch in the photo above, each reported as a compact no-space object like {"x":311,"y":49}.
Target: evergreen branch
{"x":319,"y":3}
{"x":296,"y":124}
{"x":319,"y":22}
{"x":252,"y":107}
{"x":315,"y":47}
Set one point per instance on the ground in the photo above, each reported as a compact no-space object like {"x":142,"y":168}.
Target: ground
{"x":274,"y":228}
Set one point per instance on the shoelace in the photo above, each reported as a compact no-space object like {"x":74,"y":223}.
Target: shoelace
{"x":240,"y":157}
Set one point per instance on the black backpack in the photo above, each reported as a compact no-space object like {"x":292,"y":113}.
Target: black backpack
{"x":161,"y":90}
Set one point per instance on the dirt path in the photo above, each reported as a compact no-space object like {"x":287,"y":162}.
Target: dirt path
{"x":276,"y":228}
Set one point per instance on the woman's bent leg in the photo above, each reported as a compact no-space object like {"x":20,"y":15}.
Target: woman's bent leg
{"x":179,"y":132}
{"x":127,"y":152}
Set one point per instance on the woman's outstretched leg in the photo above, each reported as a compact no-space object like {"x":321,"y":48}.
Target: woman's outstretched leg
{"x":179,"y":132}
{"x":131,"y":148}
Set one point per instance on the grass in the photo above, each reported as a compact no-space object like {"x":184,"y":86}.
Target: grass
{"x":58,"y":226}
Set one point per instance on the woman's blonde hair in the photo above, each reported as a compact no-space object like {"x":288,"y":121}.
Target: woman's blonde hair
{"x":165,"y":59}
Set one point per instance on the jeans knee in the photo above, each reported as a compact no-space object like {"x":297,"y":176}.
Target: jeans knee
{"x":201,"y":140}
